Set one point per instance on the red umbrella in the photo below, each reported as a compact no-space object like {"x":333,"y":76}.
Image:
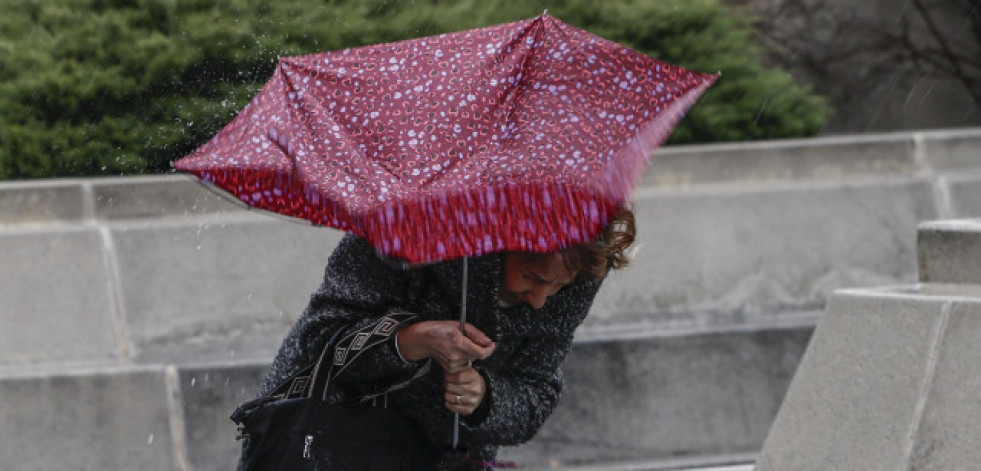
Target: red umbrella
{"x":522,"y":136}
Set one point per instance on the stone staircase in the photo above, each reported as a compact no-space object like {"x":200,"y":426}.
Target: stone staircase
{"x":138,"y":312}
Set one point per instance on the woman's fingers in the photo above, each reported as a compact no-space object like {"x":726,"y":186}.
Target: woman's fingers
{"x":464,"y":404}
{"x":477,"y":337}
{"x":464,"y":391}
{"x":472,"y":343}
{"x":453,"y":349}
{"x":456,"y":366}
{"x":444,"y":342}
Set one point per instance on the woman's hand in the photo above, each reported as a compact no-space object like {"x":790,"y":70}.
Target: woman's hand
{"x":444,"y":342}
{"x":465,"y":391}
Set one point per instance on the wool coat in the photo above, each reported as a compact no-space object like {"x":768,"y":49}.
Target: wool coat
{"x":369,"y":299}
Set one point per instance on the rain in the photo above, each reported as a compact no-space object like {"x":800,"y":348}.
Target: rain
{"x":144,"y":306}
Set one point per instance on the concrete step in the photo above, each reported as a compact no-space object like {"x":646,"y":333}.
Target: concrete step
{"x":120,"y":418}
{"x":664,"y":402}
{"x":950,"y":251}
{"x":717,"y":463}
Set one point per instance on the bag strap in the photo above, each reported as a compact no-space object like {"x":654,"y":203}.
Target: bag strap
{"x":337,"y":357}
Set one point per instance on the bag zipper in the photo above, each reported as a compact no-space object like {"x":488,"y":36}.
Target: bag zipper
{"x":306,"y":447}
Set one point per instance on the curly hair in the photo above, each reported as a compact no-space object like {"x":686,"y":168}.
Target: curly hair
{"x":593,"y":260}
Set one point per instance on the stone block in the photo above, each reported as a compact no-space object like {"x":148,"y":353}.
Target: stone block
{"x":947,"y":435}
{"x":111,"y":420}
{"x":950,"y":251}
{"x":211,"y":393}
{"x":857,"y":391}
{"x":57,"y":301}
{"x":965,"y":196}
{"x":739,"y":254}
{"x":219,"y":289}
{"x":49,"y":201}
{"x":954,"y":150}
{"x":667,"y":397}
{"x":821,"y":159}
{"x":159,"y":196}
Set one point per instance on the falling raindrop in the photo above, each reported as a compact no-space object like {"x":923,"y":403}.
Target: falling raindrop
{"x":193,"y":380}
{"x":149,"y":440}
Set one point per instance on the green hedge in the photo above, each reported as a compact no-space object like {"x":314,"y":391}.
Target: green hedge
{"x":93,"y":87}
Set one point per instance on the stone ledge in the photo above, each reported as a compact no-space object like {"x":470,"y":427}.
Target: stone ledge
{"x":951,"y":151}
{"x":41,"y":202}
{"x":814,"y":159}
{"x":149,"y":197}
{"x":833,"y":158}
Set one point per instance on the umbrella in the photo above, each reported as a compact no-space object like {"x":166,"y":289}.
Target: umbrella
{"x":525,"y":136}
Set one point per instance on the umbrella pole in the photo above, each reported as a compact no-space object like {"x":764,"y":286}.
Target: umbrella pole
{"x":463,"y":323}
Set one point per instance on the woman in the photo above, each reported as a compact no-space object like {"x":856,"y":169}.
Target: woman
{"x":502,"y":374}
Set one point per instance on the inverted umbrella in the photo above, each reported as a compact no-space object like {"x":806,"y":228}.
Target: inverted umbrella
{"x":526,"y":136}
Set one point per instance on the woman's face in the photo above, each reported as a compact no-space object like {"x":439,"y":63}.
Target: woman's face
{"x":532,"y":279}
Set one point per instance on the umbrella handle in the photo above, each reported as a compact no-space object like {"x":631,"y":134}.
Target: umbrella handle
{"x":463,"y":298}
{"x":463,"y":323}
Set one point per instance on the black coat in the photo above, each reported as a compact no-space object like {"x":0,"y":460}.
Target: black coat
{"x":362,"y":294}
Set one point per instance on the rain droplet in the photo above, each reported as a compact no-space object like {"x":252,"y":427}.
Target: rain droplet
{"x":149,"y":440}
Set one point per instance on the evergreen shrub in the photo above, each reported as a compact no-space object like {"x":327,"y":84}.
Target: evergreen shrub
{"x":110,"y":87}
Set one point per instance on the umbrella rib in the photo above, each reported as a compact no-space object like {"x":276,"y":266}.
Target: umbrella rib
{"x":371,"y":166}
{"x":517,"y":89}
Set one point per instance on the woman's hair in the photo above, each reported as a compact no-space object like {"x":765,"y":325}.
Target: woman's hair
{"x":592,"y":260}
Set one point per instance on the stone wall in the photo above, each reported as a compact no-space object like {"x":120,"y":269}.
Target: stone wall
{"x":138,"y":312}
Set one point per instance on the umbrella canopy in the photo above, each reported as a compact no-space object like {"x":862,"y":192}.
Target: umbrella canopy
{"x":522,"y":136}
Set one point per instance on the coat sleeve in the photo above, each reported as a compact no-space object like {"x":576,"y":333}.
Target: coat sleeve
{"x":523,"y":395}
{"x":363,"y":297}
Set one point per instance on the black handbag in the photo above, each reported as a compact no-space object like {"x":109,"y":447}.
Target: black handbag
{"x":295,"y":428}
